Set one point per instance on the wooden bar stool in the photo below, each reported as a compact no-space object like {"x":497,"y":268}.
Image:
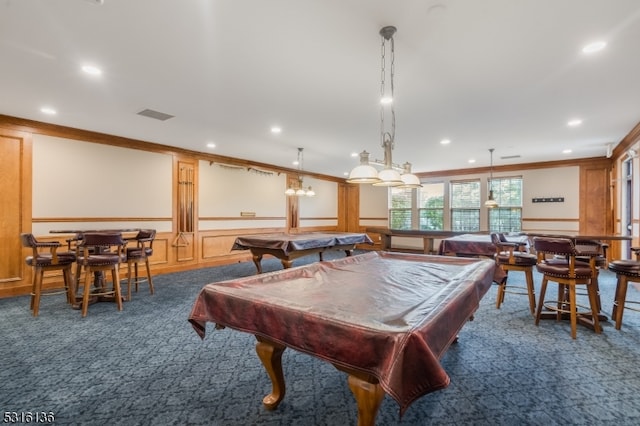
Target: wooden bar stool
{"x":101,"y":252}
{"x":140,"y":254}
{"x":626,"y":271}
{"x":510,"y":258}
{"x":563,"y":269}
{"x":48,"y":259}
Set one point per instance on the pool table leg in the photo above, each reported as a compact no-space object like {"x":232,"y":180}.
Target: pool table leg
{"x":257,"y":259}
{"x":368,"y":396}
{"x":270,"y":354}
{"x":368,"y":393}
{"x":286,"y":263}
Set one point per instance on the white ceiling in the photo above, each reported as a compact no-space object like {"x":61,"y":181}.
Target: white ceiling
{"x":500,"y":74}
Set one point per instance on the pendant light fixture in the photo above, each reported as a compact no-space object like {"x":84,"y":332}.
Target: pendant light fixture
{"x":491,"y":203}
{"x":299,"y":190}
{"x":390,"y":174}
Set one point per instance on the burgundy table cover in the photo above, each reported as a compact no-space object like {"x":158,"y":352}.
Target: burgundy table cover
{"x":392,"y":315}
{"x":295,"y":242}
{"x":476,"y":244}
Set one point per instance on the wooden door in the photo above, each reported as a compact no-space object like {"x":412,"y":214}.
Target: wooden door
{"x":15,"y":210}
{"x":595,"y":205}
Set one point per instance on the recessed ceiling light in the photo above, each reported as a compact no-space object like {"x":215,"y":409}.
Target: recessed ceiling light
{"x":91,"y":70}
{"x":295,"y":162}
{"x":386,"y":100}
{"x":48,"y":111}
{"x":472,"y":160}
{"x":211,"y":145}
{"x":346,"y":173}
{"x":566,"y":151}
{"x":594,"y":47}
{"x":445,"y":141}
{"x":276,"y":129}
{"x":574,"y":123}
{"x":354,"y":154}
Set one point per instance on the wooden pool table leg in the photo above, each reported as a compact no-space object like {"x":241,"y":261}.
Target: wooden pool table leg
{"x":257,"y":259}
{"x":270,"y":354}
{"x":368,"y":393}
{"x":286,"y":263}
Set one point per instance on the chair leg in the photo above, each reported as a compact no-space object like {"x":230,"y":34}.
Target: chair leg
{"x":129,"y":283}
{"x":593,"y":302}
{"x":146,"y":262}
{"x":597,"y":289}
{"x":116,"y":287}
{"x":573,"y":310}
{"x":36,"y":291}
{"x":137,"y":280}
{"x":531,"y":291}
{"x":563,"y":299}
{"x":69,"y":284}
{"x":77,"y":277}
{"x":501,"y":290}
{"x":543,"y":290}
{"x":87,"y":290}
{"x":621,"y":297}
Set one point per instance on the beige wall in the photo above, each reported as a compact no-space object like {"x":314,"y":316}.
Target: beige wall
{"x":89,"y":180}
{"x":537,"y":217}
{"x":228,"y":192}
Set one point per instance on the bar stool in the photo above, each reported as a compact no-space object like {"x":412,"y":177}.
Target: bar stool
{"x":140,"y":254}
{"x":98,"y":253}
{"x":510,"y":258}
{"x":52,"y":260}
{"x":563,"y":269}
{"x":626,"y":271}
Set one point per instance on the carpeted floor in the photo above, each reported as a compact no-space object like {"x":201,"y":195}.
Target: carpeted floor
{"x":146,"y":366}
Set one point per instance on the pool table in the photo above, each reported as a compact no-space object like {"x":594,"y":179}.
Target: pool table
{"x":384,"y":318}
{"x":289,"y":246}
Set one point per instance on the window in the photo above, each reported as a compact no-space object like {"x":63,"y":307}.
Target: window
{"x":507,"y":217}
{"x":431,"y":206}
{"x":465,"y":206}
{"x":400,"y":208}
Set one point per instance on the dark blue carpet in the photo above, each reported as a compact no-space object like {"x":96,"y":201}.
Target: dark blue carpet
{"x":146,"y":366}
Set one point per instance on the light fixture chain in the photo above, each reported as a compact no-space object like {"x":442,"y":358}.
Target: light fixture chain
{"x":393,"y":97}
{"x":382,"y":88}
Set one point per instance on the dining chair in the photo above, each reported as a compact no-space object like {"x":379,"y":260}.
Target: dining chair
{"x":509,"y":257}
{"x":99,"y":253}
{"x":140,"y":254}
{"x":45,"y":257}
{"x":557,"y":263}
{"x":626,"y":270}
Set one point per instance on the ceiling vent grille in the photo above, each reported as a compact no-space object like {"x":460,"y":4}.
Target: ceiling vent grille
{"x":155,"y":114}
{"x":509,"y":157}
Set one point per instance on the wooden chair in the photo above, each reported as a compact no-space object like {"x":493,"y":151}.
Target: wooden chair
{"x":509,"y":257}
{"x":563,"y":268}
{"x":626,"y":271}
{"x":140,"y":254}
{"x":596,"y":250}
{"x":46,"y":257}
{"x":99,"y":253}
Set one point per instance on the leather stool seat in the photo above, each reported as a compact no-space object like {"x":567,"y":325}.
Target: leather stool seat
{"x":625,"y":267}
{"x":626,"y":270}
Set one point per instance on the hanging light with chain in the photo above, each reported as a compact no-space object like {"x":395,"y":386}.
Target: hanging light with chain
{"x":491,"y":203}
{"x":390,"y":174}
{"x":300,"y":191}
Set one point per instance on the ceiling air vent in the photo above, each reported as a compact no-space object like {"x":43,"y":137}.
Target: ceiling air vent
{"x":155,"y":114}
{"x":509,"y":157}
